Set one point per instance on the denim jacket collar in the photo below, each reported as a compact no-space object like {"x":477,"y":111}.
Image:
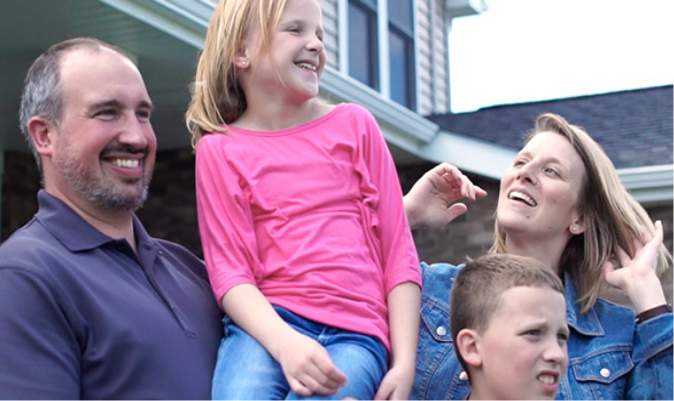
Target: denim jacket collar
{"x":584,"y":323}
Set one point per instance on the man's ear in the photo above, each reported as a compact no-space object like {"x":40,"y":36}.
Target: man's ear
{"x":468,"y":346}
{"x":41,"y":132}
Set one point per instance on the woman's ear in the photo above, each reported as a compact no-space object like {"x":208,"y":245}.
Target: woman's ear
{"x":41,"y":132}
{"x":468,"y":346}
{"x":577,"y":227}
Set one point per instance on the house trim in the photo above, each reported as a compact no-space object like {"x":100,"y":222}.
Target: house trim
{"x":649,"y":184}
{"x":187,"y":20}
{"x":184,"y":20}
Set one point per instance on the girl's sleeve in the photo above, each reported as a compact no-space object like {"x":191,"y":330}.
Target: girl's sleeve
{"x":398,"y":253}
{"x":225,"y":219}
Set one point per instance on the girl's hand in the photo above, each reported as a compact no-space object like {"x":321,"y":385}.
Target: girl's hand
{"x":308,"y":367}
{"x":637,"y":277}
{"x":397,"y":383}
{"x":431,"y":201}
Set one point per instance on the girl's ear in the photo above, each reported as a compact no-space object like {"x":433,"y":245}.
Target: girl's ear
{"x":41,"y":132}
{"x":468,"y":346}
{"x":241,"y":59}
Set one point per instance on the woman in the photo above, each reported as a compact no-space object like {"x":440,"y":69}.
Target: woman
{"x":561,"y":202}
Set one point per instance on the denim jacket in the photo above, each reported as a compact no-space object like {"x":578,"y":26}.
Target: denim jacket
{"x":610,"y":356}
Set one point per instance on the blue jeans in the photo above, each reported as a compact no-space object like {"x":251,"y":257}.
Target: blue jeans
{"x":245,"y":370}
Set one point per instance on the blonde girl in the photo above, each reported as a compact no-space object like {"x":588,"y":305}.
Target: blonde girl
{"x":300,"y":214}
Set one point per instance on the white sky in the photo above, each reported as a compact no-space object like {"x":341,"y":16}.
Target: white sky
{"x":528,"y":50}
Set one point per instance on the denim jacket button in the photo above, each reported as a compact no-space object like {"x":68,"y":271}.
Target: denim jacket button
{"x":441,"y":330}
{"x":605,"y":373}
{"x":463,"y":376}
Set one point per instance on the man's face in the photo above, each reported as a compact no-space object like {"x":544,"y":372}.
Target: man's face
{"x":104,"y":147}
{"x":523,"y":350}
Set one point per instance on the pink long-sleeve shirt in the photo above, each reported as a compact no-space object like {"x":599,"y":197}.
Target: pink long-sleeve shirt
{"x":311,"y":215}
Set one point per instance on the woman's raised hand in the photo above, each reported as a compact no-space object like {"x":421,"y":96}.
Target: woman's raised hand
{"x":432,"y":201}
{"x":637,"y":277}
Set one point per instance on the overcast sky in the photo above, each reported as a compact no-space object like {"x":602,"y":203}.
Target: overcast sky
{"x":528,"y":50}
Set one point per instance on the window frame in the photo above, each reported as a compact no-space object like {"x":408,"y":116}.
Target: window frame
{"x":383,"y":54}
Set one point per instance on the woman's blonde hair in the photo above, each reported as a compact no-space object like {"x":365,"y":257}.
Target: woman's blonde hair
{"x":611,"y":215}
{"x":217,"y":97}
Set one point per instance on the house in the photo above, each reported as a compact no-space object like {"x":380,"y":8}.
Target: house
{"x":388,"y":55}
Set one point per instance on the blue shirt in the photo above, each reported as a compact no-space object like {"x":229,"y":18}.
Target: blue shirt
{"x":610,"y":355}
{"x":83,"y":316}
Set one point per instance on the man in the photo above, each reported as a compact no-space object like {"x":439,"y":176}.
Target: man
{"x":91,"y":306}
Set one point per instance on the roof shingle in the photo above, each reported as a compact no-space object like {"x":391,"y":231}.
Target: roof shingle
{"x":634,"y":127}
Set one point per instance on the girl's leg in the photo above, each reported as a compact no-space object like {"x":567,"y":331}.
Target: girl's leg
{"x":361,"y":358}
{"x":244,"y":370}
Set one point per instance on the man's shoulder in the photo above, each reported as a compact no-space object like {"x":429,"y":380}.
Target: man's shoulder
{"x":27,"y":242}
{"x":176,"y":248}
{"x":31,"y":251}
{"x":184,"y":255}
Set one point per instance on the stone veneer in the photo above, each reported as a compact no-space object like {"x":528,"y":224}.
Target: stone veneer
{"x":170,"y":210}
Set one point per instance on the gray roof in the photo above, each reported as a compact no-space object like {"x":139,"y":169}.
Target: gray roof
{"x":634,"y":127}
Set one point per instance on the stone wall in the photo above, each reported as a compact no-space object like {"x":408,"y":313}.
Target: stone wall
{"x":170,"y":210}
{"x":20,"y":183}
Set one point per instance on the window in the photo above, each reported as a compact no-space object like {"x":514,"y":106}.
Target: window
{"x":363,"y":48}
{"x":401,"y":52}
{"x":378,"y":43}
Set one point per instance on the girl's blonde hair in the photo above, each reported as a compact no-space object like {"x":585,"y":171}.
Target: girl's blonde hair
{"x":611,"y":215}
{"x":217,"y":97}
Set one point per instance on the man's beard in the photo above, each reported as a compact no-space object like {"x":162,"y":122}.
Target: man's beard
{"x":100,"y":190}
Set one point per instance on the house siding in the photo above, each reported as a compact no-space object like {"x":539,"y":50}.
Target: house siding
{"x":432,"y":26}
{"x":331,"y":31}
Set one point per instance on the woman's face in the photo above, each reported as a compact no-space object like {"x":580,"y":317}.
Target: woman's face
{"x":539,"y":193}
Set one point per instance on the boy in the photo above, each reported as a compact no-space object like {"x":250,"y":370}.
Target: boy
{"x":509,"y":327}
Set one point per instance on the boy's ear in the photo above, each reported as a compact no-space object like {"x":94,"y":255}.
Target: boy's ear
{"x":41,"y":132}
{"x":468,"y":346}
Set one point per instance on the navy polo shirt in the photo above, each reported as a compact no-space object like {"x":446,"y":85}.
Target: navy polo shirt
{"x":83,"y":316}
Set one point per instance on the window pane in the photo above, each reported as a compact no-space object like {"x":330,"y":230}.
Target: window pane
{"x":400,"y":14}
{"x":401,"y":62}
{"x":371,"y":3}
{"x":362,"y":46}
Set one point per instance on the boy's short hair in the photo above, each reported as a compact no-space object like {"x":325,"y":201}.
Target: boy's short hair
{"x":477,"y":290}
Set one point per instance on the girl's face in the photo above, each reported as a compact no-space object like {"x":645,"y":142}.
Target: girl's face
{"x":293,"y":64}
{"x":539,"y":192}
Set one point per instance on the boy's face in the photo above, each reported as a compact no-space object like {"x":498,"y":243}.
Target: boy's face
{"x":523,"y":350}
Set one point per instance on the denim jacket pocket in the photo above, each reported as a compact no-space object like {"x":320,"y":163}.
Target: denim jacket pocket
{"x":438,"y":370}
{"x":435,"y":317}
{"x":602,"y":375}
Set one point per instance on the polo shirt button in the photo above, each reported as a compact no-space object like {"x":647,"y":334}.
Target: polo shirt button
{"x":605,"y":373}
{"x":463,"y":376}
{"x":441,"y":330}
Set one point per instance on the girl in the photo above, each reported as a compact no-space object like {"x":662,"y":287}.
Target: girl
{"x":300,"y":215}
{"x":562,"y":203}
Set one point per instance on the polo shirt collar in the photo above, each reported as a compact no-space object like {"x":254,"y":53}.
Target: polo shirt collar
{"x":72,"y":230}
{"x":585,"y":323}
